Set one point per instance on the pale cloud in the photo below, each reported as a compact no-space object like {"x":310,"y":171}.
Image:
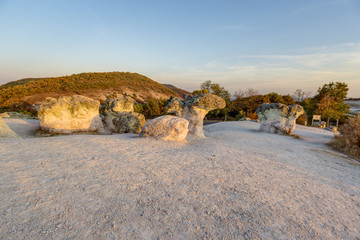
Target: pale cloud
{"x":280,"y":73}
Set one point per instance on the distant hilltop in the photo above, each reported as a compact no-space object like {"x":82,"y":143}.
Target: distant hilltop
{"x":181,"y":92}
{"x":94,"y":85}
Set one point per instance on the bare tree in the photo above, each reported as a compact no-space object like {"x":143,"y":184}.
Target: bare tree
{"x":239,"y":94}
{"x":251,"y":92}
{"x":301,"y":95}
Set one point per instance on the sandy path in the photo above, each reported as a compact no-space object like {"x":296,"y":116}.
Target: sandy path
{"x":236,"y":184}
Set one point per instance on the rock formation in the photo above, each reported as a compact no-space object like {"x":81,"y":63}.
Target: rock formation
{"x":194,"y":109}
{"x":5,"y":131}
{"x":118,"y":116}
{"x":125,"y":104}
{"x":278,"y":118}
{"x":70,"y":114}
{"x":5,"y":114}
{"x":168,"y":128}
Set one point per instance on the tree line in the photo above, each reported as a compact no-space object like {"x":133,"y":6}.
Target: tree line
{"x":329,"y":101}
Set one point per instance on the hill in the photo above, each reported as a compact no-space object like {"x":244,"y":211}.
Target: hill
{"x":179,"y":91}
{"x":94,"y":85}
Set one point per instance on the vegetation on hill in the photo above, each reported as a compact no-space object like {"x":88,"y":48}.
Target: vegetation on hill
{"x":19,"y":82}
{"x":13,"y":94}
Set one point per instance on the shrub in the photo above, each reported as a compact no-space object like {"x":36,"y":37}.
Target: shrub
{"x":349,"y":139}
{"x":302,"y":120}
{"x":240,"y":115}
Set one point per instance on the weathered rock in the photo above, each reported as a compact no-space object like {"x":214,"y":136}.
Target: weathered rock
{"x":321,"y":124}
{"x":126,"y":122}
{"x":168,"y":128}
{"x":125,"y":104}
{"x":70,"y":114}
{"x":5,"y":131}
{"x":5,"y":114}
{"x":194,"y":109}
{"x":278,"y":118}
{"x":245,"y":119}
{"x":118,"y":116}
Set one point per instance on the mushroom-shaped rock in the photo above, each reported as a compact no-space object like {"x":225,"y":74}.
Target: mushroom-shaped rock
{"x":70,"y":114}
{"x":5,"y":131}
{"x":168,"y":128}
{"x":118,"y":116}
{"x":278,"y":118}
{"x":194,"y":109}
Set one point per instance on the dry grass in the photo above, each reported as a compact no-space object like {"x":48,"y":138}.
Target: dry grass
{"x":349,"y":139}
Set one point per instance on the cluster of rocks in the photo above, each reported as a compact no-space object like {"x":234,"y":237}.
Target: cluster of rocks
{"x":81,"y":114}
{"x":77,"y":113}
{"x":190,"y":114}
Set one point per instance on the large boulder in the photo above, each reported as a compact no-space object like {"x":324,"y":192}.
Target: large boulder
{"x":168,"y":128}
{"x":5,"y":131}
{"x":118,"y":116}
{"x":194,"y":109}
{"x":69,"y":115}
{"x":278,"y":118}
{"x":127,"y":122}
{"x":125,"y":104}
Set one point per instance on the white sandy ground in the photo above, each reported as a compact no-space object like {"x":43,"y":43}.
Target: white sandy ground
{"x":237,"y":183}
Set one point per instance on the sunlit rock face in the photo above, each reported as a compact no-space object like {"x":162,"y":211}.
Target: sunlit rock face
{"x":118,"y":116}
{"x":70,"y":114}
{"x":125,"y":104}
{"x":167,"y":128}
{"x":278,"y":118}
{"x":5,"y":131}
{"x":194,"y":109}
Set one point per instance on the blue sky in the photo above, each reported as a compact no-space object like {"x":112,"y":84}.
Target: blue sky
{"x":266,"y":45}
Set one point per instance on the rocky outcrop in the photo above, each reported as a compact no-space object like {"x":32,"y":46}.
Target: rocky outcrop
{"x":70,"y":114}
{"x":5,"y":131}
{"x":118,"y":116}
{"x":194,"y":109}
{"x":168,"y":128}
{"x":278,"y":118}
{"x":128,"y":122}
{"x":125,"y":104}
{"x":5,"y":114}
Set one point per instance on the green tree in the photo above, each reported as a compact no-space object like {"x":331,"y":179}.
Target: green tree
{"x":151,"y":108}
{"x":216,"y":89}
{"x":329,"y":102}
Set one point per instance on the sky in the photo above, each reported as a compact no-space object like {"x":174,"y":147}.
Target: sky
{"x":270,"y":46}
